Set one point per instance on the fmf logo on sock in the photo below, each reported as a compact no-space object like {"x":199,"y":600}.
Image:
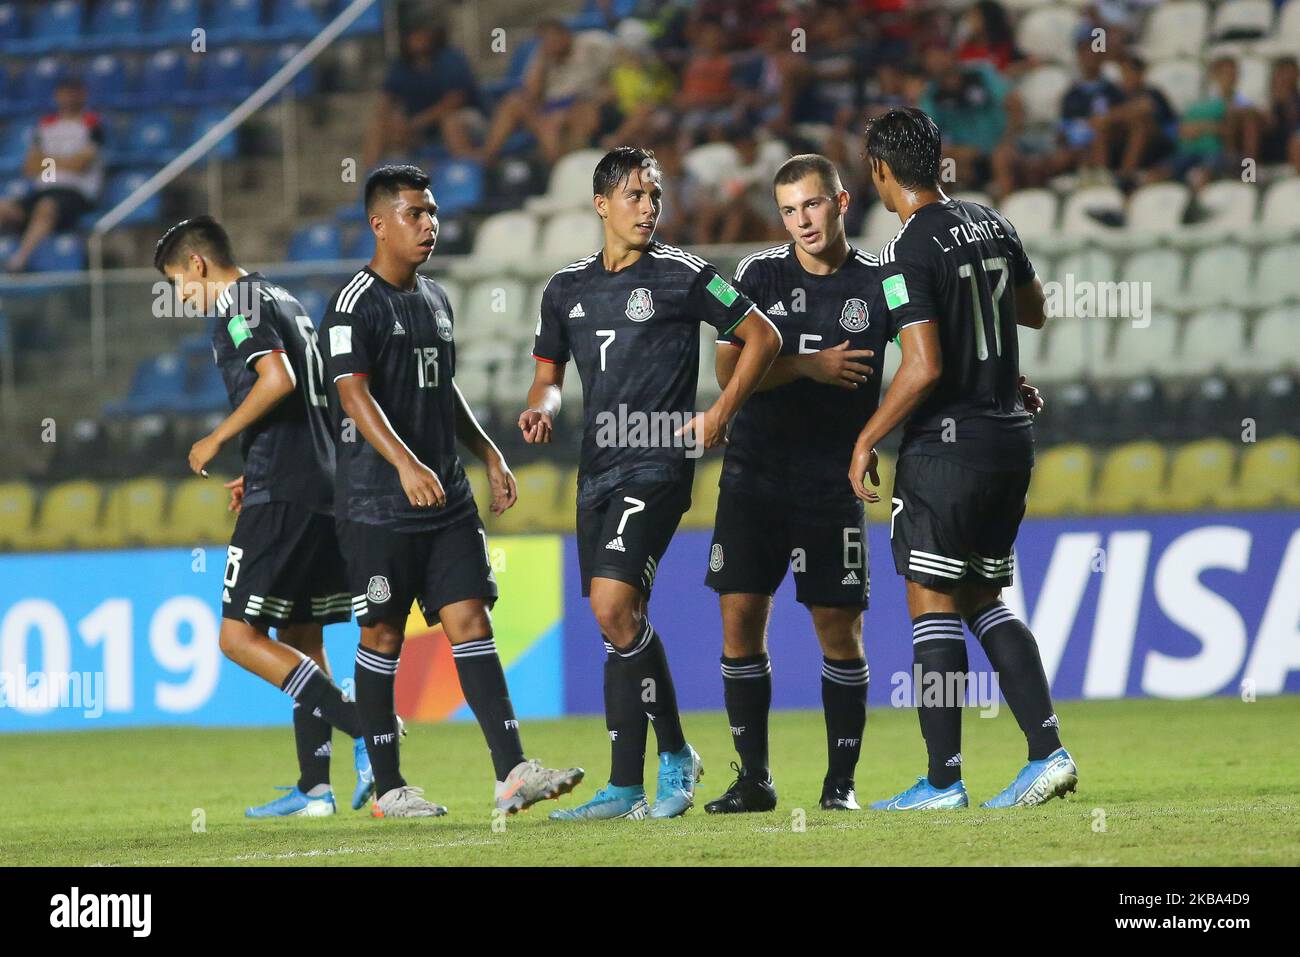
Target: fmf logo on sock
{"x":849,"y":743}
{"x":383,"y":738}
{"x":134,"y":911}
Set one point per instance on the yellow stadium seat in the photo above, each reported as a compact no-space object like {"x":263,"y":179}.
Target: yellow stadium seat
{"x":1062,"y":481}
{"x":1132,"y":479}
{"x":1200,"y":475}
{"x":885,"y":468}
{"x":199,"y":514}
{"x":134,"y":514}
{"x":69,"y":517}
{"x":1270,"y":474}
{"x":17,"y":506}
{"x":704,"y":494}
{"x":537,"y":508}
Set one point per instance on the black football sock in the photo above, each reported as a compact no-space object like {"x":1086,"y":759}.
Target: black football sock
{"x":375,"y":675}
{"x":939,"y":653}
{"x":844,"y":701}
{"x":626,"y":722}
{"x":311,"y":733}
{"x":646,"y":664}
{"x":483,"y":683}
{"x":747,"y":690}
{"x":311,"y":688}
{"x":1013,"y":652}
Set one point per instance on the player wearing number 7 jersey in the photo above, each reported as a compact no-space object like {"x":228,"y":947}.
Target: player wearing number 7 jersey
{"x":957,"y":282}
{"x":283,"y":567}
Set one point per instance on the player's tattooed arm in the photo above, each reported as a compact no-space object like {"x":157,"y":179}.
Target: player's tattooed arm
{"x":916,"y":378}
{"x":537,"y":421}
{"x":839,"y":366}
{"x":422,"y":486}
{"x":471,"y":435}
{"x":762,"y":343}
{"x":274,"y":383}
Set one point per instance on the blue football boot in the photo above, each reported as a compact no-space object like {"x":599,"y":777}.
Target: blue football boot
{"x":1040,"y":781}
{"x":610,"y":803}
{"x":678,"y":774}
{"x":295,"y":804}
{"x":923,"y":796}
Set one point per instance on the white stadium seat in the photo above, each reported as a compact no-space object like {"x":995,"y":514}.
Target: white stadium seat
{"x":1031,"y":212}
{"x":570,"y":184}
{"x":1252,"y":79}
{"x":1076,"y":222}
{"x":495,"y":309}
{"x":1155,"y":211}
{"x":1176,"y":29}
{"x":503,"y":241}
{"x":1180,"y":80}
{"x":1218,"y":276}
{"x":1089,"y":265}
{"x":567,"y":237}
{"x":1214,"y":339}
{"x":1142,"y":349}
{"x":1242,"y":17}
{"x":710,"y":163}
{"x":1041,"y":91}
{"x":1075,"y":348}
{"x":1277,"y":276}
{"x":1229,"y":205}
{"x":1275,"y":340}
{"x":1280,"y":214}
{"x":880,"y":227}
{"x":1164,"y":269}
{"x":1048,"y":33}
{"x":1286,"y":35}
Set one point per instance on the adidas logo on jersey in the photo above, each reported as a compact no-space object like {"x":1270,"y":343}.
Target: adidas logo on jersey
{"x":851,"y":579}
{"x":617,"y":544}
{"x":576,"y":312}
{"x":397,"y":328}
{"x":778,"y":309}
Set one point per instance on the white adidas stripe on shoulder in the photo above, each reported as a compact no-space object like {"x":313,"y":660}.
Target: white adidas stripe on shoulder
{"x":887,"y":252}
{"x":866,"y":258}
{"x":578,"y":266}
{"x":347,"y":298}
{"x":772,"y":252}
{"x":678,"y":251}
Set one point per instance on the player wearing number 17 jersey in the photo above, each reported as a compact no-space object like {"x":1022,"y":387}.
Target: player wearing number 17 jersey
{"x":957,"y":282}
{"x":283,"y":567}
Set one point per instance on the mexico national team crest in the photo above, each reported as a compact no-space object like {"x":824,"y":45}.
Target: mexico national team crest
{"x":854,"y":317}
{"x":378,"y":590}
{"x":444,"y":324}
{"x":640,"y":306}
{"x":715,"y":557}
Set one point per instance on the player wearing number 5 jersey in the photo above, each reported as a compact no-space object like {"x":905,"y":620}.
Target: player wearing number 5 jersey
{"x":629,"y":317}
{"x":957,"y":282}
{"x":283,"y":567}
{"x":407,"y":518}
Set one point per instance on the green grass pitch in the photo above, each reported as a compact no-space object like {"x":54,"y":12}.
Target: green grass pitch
{"x":1161,"y":783}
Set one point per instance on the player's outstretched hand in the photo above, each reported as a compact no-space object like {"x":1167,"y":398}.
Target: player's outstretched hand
{"x":505,"y":491}
{"x":236,"y":487}
{"x":864,"y":465}
{"x":1032,"y":398}
{"x":839,"y":366}
{"x":422,"y":487}
{"x":536,"y":426}
{"x":707,"y":429}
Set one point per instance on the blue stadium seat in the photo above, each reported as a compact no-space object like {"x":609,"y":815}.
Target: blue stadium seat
{"x":228,"y":146}
{"x":11,"y":22}
{"x":293,"y":20}
{"x":370,"y":22}
{"x":361,"y":244}
{"x":116,"y":24}
{"x":61,"y":253}
{"x":350,"y":213}
{"x":157,"y":386}
{"x":35,"y":92}
{"x":150,"y":140}
{"x":514,"y":72}
{"x":108,"y":83}
{"x":163,"y":79}
{"x":16,"y":188}
{"x":173,"y":20}
{"x":319,"y":241}
{"x":205,"y":391}
{"x":122,"y":185}
{"x":302,"y":85}
{"x":223,"y":78}
{"x":55,"y":26}
{"x":13,"y":149}
{"x":234,"y":19}
{"x":314,"y":301}
{"x":457,"y":185}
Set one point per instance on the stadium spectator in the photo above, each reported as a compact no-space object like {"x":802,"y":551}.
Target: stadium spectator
{"x":984,"y":33}
{"x":830,"y":76}
{"x":706,"y":100}
{"x":967,"y":101}
{"x":642,"y":86}
{"x":742,"y":208}
{"x":66,"y":169}
{"x":1218,"y":131}
{"x":428,"y":95}
{"x":565,"y":87}
{"x":1137,"y":133}
{"x":1279,"y":140}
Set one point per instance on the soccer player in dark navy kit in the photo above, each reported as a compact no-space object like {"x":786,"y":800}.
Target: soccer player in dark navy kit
{"x":283,"y":567}
{"x":628,"y":315}
{"x":784,"y":502}
{"x":407,"y":519}
{"x":957,"y":282}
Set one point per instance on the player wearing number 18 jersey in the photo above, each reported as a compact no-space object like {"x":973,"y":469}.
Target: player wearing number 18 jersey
{"x":283,"y":566}
{"x":957,"y":282}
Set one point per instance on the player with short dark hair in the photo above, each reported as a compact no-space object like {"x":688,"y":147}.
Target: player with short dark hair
{"x":283,"y":567}
{"x":628,"y":315}
{"x":783,"y":502}
{"x":957,"y":282}
{"x":406,"y":515}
